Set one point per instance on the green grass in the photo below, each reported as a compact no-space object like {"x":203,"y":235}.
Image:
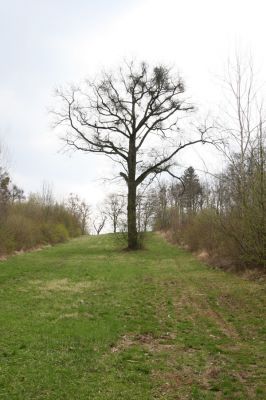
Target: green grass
{"x":84,"y":320}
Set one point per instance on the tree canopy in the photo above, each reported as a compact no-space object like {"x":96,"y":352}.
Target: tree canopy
{"x":132,"y":116}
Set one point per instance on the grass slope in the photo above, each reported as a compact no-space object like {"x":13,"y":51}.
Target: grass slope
{"x":86,"y":321}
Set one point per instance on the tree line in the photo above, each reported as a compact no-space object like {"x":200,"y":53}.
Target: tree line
{"x":215,"y":217}
{"x":27,"y":222}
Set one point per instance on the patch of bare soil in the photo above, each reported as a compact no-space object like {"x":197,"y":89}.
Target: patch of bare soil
{"x":147,"y":341}
{"x":178,"y":381}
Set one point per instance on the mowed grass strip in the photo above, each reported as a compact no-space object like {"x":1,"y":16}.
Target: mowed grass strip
{"x":85,"y":320}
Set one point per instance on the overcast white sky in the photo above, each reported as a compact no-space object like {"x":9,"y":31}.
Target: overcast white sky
{"x":47,"y":43}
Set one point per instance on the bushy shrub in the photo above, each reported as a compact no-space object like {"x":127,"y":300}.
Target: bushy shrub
{"x":32,"y":222}
{"x":24,"y":231}
{"x":202,"y":231}
{"x":54,"y":233}
{"x":7,"y":241}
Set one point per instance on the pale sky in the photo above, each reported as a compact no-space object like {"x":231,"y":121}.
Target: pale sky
{"x":45,"y":44}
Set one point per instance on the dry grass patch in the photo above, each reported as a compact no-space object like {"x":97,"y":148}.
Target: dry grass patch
{"x":60,"y":285}
{"x":74,"y":315}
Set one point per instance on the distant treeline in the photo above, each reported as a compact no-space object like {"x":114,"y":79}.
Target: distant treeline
{"x":225,"y":218}
{"x":37,"y":220}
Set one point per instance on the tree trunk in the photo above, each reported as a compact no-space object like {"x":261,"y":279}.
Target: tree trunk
{"x":131,"y":216}
{"x":132,"y":198}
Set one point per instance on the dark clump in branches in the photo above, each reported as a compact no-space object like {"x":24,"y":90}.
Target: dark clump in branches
{"x":133,"y":117}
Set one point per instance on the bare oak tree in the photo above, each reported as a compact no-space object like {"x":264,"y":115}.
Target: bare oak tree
{"x":132,"y":116}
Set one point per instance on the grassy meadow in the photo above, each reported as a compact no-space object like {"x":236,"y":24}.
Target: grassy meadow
{"x":85,"y":320}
